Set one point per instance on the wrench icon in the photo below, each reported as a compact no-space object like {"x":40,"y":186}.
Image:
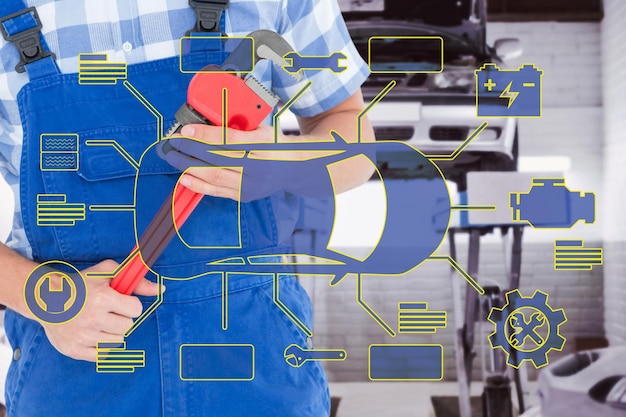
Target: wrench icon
{"x":296,"y":356}
{"x":55,"y":300}
{"x":525,"y":329}
{"x":297,"y":62}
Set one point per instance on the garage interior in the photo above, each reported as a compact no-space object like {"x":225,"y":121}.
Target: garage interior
{"x":581,"y":47}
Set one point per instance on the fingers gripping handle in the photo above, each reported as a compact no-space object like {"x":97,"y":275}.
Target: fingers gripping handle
{"x":216,"y":98}
{"x":155,"y":239}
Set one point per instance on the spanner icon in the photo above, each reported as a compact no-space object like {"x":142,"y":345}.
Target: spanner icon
{"x":299,"y":63}
{"x":296,"y":356}
{"x":525,"y":329}
{"x":55,"y":300}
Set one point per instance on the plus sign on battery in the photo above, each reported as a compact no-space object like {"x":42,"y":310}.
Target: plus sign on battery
{"x":489,"y":85}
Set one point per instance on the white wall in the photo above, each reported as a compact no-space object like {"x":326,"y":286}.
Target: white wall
{"x":572,"y":126}
{"x":614,"y":76}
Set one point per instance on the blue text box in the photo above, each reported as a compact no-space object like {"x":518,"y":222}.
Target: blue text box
{"x":405,"y":362}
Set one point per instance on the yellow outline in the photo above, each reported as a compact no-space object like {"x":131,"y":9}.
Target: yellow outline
{"x":228,"y":261}
{"x":173,"y":212}
{"x":287,"y":106}
{"x":284,"y":308}
{"x":111,"y":207}
{"x":369,"y":310}
{"x":42,"y":304}
{"x":369,"y":54}
{"x":498,"y":69}
{"x":381,"y":95}
{"x":338,"y":281}
{"x":222,"y":39}
{"x":117,"y":359}
{"x":115,"y":145}
{"x":113,"y":77}
{"x":298,"y":157}
{"x":594,"y":256}
{"x":476,"y":207}
{"x":42,"y":152}
{"x":180,"y":362}
{"x":508,"y":335}
{"x":74,"y":269}
{"x":417,"y":313}
{"x":540,"y":182}
{"x":549,"y":334}
{"x":471,"y":281}
{"x":369,"y":362}
{"x":230,"y":154}
{"x":73,"y":291}
{"x":290,"y":62}
{"x":318,"y":260}
{"x":204,"y":274}
{"x":343,"y":352}
{"x":509,"y":95}
{"x":149,"y":310}
{"x":148,"y":106}
{"x":461,"y":147}
{"x":225,"y":301}
{"x":60,"y":213}
{"x":224,"y":116}
{"x":333,"y":230}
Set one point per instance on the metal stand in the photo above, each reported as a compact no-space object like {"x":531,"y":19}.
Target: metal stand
{"x":497,"y":393}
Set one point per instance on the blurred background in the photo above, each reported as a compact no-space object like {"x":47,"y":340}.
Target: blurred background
{"x":581,"y":136}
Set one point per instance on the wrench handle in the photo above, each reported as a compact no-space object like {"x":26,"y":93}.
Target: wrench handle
{"x":155,"y":239}
{"x":324,"y":355}
{"x":206,"y":94}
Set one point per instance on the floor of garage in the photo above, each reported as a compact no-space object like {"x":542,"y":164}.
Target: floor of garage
{"x":398,"y":399}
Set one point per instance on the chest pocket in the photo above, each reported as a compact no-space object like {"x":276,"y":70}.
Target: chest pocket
{"x":83,"y":148}
{"x":79,"y":168}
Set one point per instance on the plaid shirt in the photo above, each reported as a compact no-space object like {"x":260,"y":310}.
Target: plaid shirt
{"x":136,"y":31}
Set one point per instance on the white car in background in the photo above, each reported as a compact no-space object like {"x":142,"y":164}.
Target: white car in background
{"x":434,"y":112}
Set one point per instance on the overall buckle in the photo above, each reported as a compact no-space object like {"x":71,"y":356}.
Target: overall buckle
{"x":208,"y":15}
{"x":28,"y":40}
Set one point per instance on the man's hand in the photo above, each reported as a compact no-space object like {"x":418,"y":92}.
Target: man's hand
{"x":226,"y":182}
{"x":107,"y":315}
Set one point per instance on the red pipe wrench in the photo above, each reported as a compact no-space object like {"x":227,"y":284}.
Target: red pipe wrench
{"x":249,"y":104}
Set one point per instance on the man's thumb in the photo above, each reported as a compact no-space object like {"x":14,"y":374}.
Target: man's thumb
{"x":148,"y":288}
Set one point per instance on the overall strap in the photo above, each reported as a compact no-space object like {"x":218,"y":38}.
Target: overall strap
{"x":21,"y":26}
{"x":210,"y":23}
{"x":209,"y":15}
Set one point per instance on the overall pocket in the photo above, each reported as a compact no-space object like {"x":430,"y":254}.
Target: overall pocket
{"x":97,"y":201}
{"x":262,"y":383}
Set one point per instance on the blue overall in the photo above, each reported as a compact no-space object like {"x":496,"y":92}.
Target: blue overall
{"x":43,"y":382}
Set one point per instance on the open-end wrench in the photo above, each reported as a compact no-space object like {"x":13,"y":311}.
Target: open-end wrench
{"x":55,"y":300}
{"x":524,"y":330}
{"x":296,"y":356}
{"x":249,"y":104}
{"x":299,"y":63}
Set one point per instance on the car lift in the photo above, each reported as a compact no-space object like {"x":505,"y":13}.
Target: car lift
{"x":496,"y":396}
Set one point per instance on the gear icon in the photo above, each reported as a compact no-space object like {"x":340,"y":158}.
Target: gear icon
{"x":522,"y":339}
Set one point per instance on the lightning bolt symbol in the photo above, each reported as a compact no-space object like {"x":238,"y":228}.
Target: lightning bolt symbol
{"x":510,"y":95}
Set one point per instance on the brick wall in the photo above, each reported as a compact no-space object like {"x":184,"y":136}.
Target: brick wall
{"x":614,"y":76}
{"x":341,"y":322}
{"x":572,"y":126}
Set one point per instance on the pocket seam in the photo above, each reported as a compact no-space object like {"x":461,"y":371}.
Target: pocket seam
{"x":23,"y":373}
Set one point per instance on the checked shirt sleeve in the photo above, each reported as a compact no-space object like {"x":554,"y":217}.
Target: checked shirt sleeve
{"x":316,"y":28}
